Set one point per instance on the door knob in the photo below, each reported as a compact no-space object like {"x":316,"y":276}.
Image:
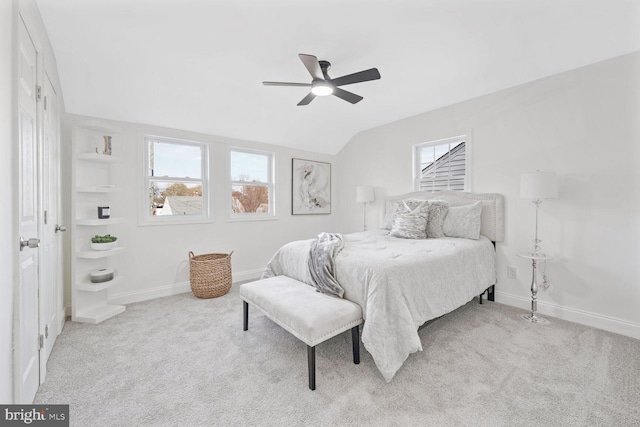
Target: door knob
{"x":61,"y":228}
{"x":31,"y":243}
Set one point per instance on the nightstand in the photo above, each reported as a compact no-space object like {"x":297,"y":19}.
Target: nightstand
{"x":534,"y":257}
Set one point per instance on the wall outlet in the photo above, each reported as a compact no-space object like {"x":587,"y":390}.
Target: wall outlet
{"x":512,"y":272}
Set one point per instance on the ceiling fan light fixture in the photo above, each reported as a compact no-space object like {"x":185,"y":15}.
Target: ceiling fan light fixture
{"x":321,"y":88}
{"x":323,"y":85}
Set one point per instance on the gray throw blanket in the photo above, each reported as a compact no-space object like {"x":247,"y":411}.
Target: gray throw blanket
{"x":322,"y":254}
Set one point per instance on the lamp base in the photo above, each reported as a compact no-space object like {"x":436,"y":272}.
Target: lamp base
{"x":532,"y":318}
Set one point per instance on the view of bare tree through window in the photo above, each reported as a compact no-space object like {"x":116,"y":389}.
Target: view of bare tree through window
{"x":250,"y":198}
{"x":251,"y":182}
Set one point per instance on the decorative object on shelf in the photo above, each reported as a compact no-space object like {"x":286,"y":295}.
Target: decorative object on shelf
{"x":104,"y":212}
{"x":210,"y":274}
{"x":537,"y":186}
{"x":107,"y":145}
{"x":102,"y":275}
{"x":310,"y":187}
{"x":365,"y":194}
{"x":103,"y":243}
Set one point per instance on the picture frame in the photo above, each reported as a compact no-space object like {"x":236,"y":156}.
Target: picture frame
{"x":310,"y":187}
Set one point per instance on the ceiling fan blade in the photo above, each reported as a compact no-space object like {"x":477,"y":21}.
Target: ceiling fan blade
{"x":347,"y":96}
{"x":362,"y":76}
{"x":285,"y":84}
{"x":312,"y":65}
{"x":307,"y":99}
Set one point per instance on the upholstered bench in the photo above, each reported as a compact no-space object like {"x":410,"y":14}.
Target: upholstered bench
{"x":309,"y":315}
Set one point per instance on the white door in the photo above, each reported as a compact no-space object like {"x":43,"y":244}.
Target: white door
{"x":27,"y":341}
{"x":50,"y":238}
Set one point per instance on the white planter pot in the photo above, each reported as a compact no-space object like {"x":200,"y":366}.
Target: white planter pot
{"x":103,"y":246}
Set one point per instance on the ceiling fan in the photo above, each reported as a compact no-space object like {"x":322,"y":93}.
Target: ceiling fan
{"x":323,"y":85}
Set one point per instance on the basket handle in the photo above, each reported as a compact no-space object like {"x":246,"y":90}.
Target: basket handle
{"x":191,"y":255}
{"x":230,"y":253}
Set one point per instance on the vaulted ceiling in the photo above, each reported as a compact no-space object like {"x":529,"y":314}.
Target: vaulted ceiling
{"x":198,"y":65}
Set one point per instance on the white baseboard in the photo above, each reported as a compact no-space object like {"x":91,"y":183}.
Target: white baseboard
{"x":247,"y":275}
{"x":594,"y":320}
{"x":173,"y":289}
{"x":147,"y":294}
{"x":62,"y":317}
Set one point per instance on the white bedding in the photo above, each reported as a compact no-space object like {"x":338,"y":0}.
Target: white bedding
{"x":399,"y":283}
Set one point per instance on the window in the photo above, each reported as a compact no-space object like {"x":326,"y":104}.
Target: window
{"x":251,"y":177}
{"x":176,"y":184}
{"x":441,"y":165}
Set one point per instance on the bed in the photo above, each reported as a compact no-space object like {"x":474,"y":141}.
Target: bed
{"x":401,"y":283}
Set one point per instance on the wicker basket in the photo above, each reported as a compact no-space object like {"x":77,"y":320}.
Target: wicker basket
{"x":210,"y":274}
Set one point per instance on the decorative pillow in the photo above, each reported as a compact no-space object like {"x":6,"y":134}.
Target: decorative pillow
{"x":463,"y":221}
{"x":413,"y":206}
{"x":437,"y":212}
{"x":409,"y":226}
{"x":395,"y":207}
{"x":390,"y":211}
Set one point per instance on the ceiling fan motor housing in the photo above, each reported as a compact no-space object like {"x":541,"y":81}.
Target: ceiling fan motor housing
{"x":324,"y":66}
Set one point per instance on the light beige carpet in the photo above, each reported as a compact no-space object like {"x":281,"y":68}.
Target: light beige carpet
{"x":182,"y":361}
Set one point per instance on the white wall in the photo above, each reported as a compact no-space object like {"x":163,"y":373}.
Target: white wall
{"x":8,"y":11}
{"x":156,"y":259}
{"x":585,"y":125}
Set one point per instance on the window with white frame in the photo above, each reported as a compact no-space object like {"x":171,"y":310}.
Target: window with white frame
{"x":176,"y":184}
{"x":252,"y":187}
{"x":441,"y":165}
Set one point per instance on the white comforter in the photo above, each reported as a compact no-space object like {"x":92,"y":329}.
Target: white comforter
{"x":399,"y":283}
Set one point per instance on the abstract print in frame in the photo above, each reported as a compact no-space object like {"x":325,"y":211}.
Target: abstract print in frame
{"x":310,"y":187}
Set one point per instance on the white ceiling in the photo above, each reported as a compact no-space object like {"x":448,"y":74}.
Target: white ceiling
{"x":198,"y":64}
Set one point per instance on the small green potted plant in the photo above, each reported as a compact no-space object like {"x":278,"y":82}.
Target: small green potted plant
{"x":103,"y":243}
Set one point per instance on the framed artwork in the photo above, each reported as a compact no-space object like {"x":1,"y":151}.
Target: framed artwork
{"x":310,"y":187}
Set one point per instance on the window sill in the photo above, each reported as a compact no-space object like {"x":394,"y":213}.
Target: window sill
{"x":164,"y":222}
{"x":252,"y":218}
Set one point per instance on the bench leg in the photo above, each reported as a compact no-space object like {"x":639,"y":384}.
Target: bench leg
{"x":245,"y":315}
{"x":311,"y":361}
{"x":355,"y":339}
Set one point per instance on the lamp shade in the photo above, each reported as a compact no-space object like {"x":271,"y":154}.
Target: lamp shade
{"x":364,"y":194}
{"x":539,"y":185}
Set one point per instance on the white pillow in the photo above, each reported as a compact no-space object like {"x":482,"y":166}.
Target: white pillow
{"x":437,"y":212}
{"x":389,"y":213}
{"x":463,"y":221}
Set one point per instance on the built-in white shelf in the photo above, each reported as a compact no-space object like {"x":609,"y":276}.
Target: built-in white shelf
{"x":97,"y":189}
{"x":88,"y":286}
{"x":94,"y":178}
{"x":99,"y":313}
{"x":95,"y":157}
{"x":97,"y":221}
{"x":99,"y":254}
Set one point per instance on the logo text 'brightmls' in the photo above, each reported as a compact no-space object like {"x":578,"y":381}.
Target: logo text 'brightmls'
{"x":27,"y":417}
{"x":38,"y":415}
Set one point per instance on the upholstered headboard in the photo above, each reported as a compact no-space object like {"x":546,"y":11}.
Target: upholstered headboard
{"x":492,"y":217}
